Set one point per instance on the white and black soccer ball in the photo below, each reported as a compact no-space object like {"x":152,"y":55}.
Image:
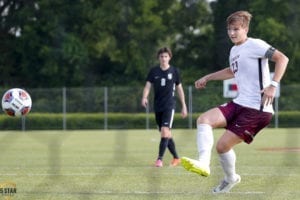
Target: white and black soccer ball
{"x":16,"y":102}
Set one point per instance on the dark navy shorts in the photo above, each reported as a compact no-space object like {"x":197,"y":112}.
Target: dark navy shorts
{"x":164,"y":118}
{"x":244,"y":122}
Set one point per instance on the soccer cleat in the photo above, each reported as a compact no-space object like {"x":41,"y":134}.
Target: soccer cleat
{"x":195,"y":166}
{"x":226,"y":186}
{"x":175,"y":162}
{"x":158,"y":163}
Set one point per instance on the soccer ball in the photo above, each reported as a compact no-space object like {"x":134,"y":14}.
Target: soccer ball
{"x":16,"y":102}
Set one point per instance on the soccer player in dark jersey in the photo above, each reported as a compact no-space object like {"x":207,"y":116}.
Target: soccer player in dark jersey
{"x":165,"y":79}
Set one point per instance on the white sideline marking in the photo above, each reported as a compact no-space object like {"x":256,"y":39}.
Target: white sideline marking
{"x":146,"y":193}
{"x":97,"y":174}
{"x":188,"y":193}
{"x":72,"y":174}
{"x":8,"y":174}
{"x":253,"y":192}
{"x":278,"y":175}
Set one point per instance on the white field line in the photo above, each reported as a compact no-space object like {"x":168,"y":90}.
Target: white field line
{"x":130,"y":174}
{"x":106,"y":192}
{"x":178,"y":193}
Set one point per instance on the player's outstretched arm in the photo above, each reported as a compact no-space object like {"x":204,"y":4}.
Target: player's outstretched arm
{"x":219,"y":75}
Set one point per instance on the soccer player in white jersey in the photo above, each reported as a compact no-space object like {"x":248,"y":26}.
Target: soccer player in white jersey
{"x":249,"y":112}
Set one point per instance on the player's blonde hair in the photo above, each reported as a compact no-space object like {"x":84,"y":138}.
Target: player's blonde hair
{"x":240,"y":16}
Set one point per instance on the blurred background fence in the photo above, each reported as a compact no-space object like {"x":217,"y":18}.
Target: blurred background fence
{"x":111,"y":107}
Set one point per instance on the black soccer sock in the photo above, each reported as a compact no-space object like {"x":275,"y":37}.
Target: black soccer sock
{"x":162,"y":147}
{"x":172,"y":148}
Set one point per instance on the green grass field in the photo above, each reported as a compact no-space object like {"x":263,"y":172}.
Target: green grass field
{"x":93,"y":165}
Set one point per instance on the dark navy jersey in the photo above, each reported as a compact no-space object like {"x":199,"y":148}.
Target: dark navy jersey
{"x":164,"y":83}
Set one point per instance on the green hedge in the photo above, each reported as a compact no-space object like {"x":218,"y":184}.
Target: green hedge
{"x":49,"y":121}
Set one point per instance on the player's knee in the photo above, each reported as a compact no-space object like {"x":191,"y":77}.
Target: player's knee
{"x":221,"y":147}
{"x":165,"y":132}
{"x":202,"y":119}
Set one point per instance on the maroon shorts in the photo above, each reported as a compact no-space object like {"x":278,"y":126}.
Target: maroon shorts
{"x":244,"y":122}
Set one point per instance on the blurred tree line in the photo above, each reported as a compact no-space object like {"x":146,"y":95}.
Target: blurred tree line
{"x":55,"y":43}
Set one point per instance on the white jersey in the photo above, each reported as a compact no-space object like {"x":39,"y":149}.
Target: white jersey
{"x":251,"y":70}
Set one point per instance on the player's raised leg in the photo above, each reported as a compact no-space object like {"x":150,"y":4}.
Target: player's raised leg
{"x":205,"y":123}
{"x":204,"y":145}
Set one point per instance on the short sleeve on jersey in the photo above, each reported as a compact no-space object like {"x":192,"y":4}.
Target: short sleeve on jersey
{"x":259,"y":47}
{"x":150,"y":76}
{"x":178,"y":78}
{"x":270,"y":52}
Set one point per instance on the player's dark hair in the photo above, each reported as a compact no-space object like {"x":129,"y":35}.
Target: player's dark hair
{"x":164,"y":50}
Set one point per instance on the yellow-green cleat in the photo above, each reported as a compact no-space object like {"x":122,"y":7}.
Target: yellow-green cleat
{"x":195,"y":166}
